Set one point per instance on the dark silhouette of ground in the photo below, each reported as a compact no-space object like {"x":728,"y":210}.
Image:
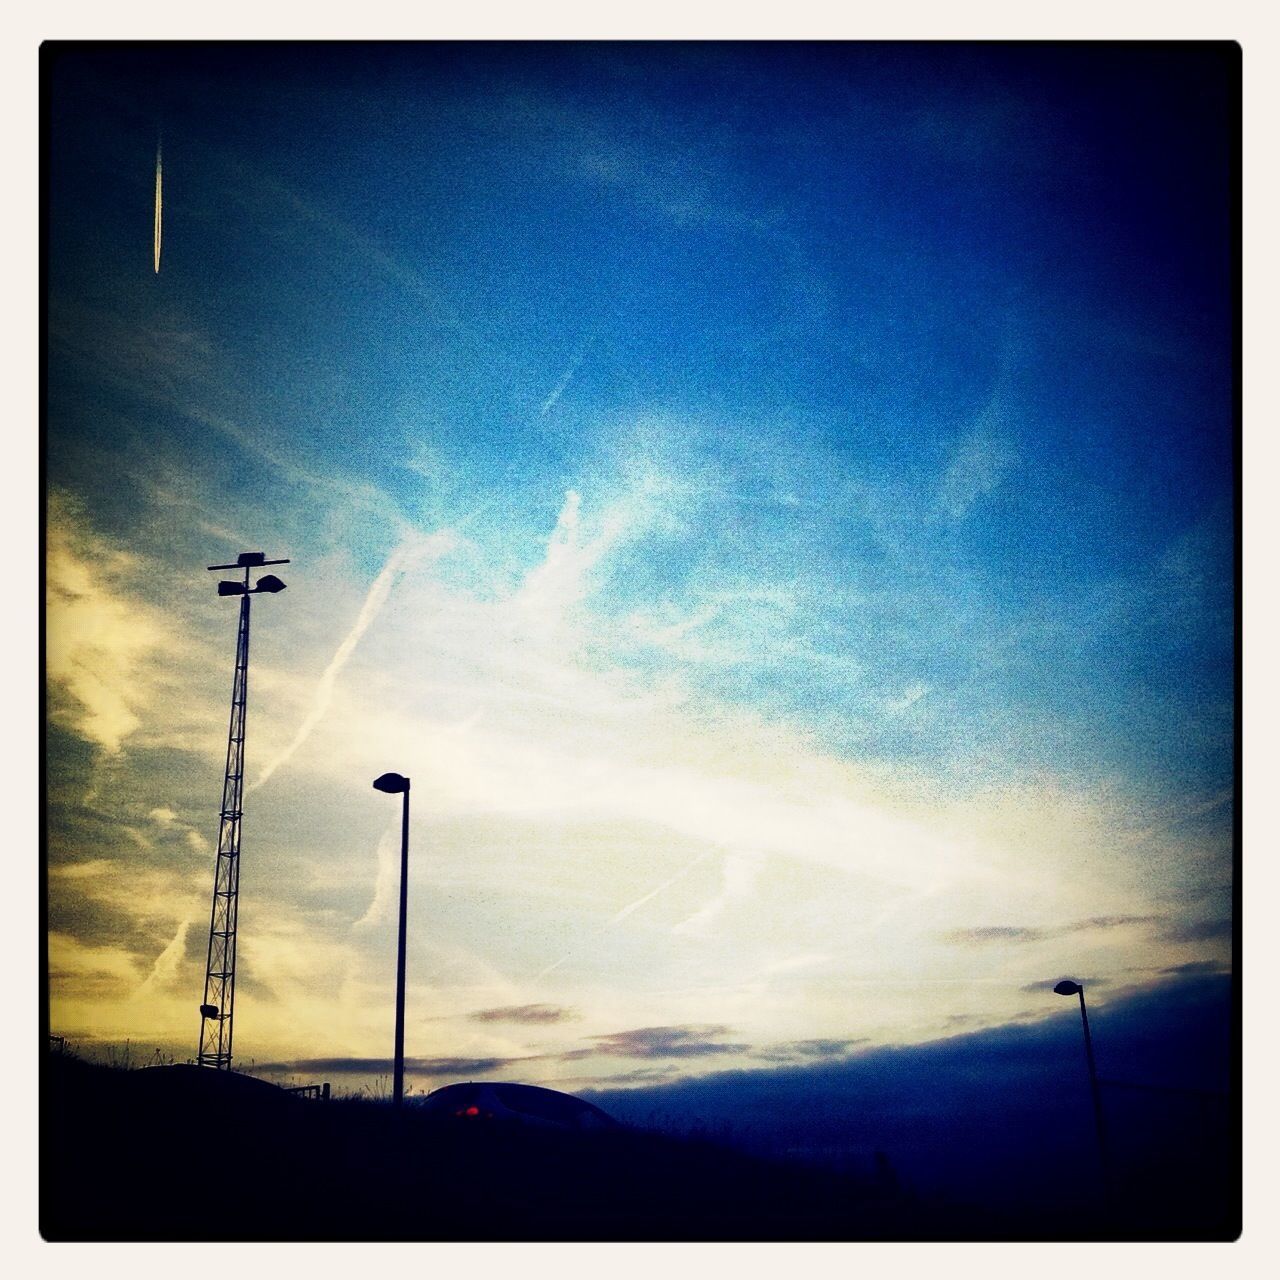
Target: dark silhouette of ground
{"x":183,"y":1153}
{"x":1001,"y":1119}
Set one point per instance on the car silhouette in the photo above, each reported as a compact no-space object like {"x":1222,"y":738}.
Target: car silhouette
{"x":494,"y":1103}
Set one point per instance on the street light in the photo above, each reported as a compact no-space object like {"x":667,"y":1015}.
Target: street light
{"x":1068,"y":988}
{"x":393,"y":784}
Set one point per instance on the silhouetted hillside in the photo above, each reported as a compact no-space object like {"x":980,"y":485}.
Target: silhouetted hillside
{"x":138,"y":1155}
{"x":1002,"y":1118}
{"x":986,"y":1136}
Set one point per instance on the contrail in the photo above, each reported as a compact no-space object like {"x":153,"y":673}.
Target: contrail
{"x":666,"y":884}
{"x":630,"y":907}
{"x":167,"y":962}
{"x":550,"y":402}
{"x":384,"y":885}
{"x":373,"y":602}
{"x":159,"y":205}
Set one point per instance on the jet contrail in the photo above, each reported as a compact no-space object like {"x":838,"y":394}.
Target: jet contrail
{"x":384,"y":885}
{"x":550,"y":402}
{"x":167,"y":962}
{"x":666,"y":884}
{"x":630,"y":907}
{"x":373,"y":602}
{"x":159,"y":207}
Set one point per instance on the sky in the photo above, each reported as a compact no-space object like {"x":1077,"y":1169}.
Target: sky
{"x":775,"y":502}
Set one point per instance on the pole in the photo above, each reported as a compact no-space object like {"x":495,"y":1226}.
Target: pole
{"x":1098,"y":1118}
{"x":397,"y":1095}
{"x":217,"y":1011}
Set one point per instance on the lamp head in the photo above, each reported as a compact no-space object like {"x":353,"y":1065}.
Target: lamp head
{"x":1068,"y":988}
{"x":269,"y":582}
{"x":231,"y":588}
{"x":391,"y":783}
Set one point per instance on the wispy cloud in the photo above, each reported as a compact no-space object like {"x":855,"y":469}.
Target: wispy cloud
{"x":626,"y":789}
{"x":404,"y":555}
{"x":637,"y":1076}
{"x":168,"y":965}
{"x":997,"y":933}
{"x":536,"y":1014}
{"x":168,"y":821}
{"x":631,"y":908}
{"x":812,"y":1050}
{"x":461,"y":1067}
{"x":1026,"y":933}
{"x":1111,"y":922}
{"x":739,"y":873}
{"x":908,"y":698}
{"x":1197,"y":930}
{"x":88,"y":972}
{"x":567,"y":377}
{"x":1195,"y":967}
{"x":982,"y":457}
{"x":385,"y":883}
{"x":716,"y":682}
{"x":978,"y":466}
{"x":695,"y":1041}
{"x":100,"y":639}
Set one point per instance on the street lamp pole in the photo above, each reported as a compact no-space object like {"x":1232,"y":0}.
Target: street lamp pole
{"x":1068,"y":988}
{"x":393,"y":783}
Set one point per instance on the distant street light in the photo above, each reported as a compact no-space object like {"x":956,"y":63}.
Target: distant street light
{"x":393,"y":784}
{"x":1069,"y":988}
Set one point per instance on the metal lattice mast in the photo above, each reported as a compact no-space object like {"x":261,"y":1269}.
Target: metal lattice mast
{"x":216,"y":1011}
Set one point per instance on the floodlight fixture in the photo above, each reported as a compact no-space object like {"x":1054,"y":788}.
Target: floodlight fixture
{"x":248,"y":560}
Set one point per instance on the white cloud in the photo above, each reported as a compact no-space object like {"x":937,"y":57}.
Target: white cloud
{"x":98,"y":639}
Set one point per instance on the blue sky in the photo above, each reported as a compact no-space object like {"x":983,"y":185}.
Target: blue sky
{"x":874,"y":401}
